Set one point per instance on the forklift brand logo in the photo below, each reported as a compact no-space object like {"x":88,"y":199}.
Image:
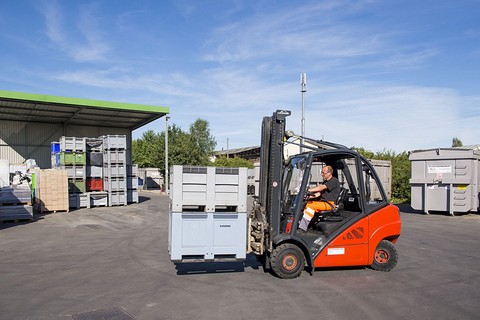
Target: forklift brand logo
{"x":356,"y":233}
{"x":225,"y":226}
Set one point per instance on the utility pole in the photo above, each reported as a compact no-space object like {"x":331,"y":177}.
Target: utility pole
{"x":303,"y":84}
{"x":166,"y":156}
{"x":228,"y":150}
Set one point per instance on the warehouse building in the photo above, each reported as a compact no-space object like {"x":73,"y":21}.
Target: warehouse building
{"x":30,"y":122}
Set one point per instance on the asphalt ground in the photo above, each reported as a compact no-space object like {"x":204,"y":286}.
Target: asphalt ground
{"x":114,"y":260}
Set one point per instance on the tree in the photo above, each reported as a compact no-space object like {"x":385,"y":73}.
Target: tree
{"x":456,"y":142}
{"x":146,"y":151}
{"x":192,"y":148}
{"x":233,"y":162}
{"x":202,"y":142}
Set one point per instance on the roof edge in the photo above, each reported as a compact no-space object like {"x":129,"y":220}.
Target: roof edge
{"x":82,"y":102}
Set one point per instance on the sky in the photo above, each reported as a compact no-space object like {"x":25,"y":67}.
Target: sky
{"x":381,"y":75}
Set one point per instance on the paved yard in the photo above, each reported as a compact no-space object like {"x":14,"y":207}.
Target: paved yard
{"x":116,"y":258}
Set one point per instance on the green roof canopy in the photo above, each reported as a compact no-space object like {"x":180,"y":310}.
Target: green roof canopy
{"x":28,"y":107}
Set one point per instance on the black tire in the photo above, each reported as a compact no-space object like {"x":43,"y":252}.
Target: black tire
{"x":287,"y":261}
{"x":385,"y":257}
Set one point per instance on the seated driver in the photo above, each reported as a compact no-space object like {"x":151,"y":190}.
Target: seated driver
{"x":327,"y":193}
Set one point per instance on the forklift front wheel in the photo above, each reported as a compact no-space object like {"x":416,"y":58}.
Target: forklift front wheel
{"x":385,"y":257}
{"x":287,"y":261}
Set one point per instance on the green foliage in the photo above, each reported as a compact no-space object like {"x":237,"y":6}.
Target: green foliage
{"x":401,"y":171}
{"x":184,"y":148}
{"x":233,"y":162}
{"x":457,"y":142}
{"x":147,"y":151}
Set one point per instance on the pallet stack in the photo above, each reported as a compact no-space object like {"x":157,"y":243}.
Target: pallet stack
{"x":51,"y":190}
{"x":115,"y":169}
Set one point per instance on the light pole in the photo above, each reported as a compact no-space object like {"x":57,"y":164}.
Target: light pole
{"x":166,"y":155}
{"x":303,"y":84}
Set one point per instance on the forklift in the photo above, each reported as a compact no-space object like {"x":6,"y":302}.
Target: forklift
{"x":360,"y":229}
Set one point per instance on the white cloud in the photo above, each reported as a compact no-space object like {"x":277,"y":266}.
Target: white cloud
{"x":81,"y":38}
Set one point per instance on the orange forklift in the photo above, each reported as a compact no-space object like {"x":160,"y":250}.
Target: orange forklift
{"x":360,"y":229}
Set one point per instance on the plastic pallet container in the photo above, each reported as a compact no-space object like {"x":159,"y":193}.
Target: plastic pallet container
{"x":132,"y":196}
{"x":115,"y":171}
{"x":72,"y":158}
{"x":207,"y":235}
{"x":132,"y":170}
{"x":95,"y":184}
{"x":94,"y":144}
{"x":55,"y":147}
{"x":114,"y":156}
{"x":117,"y":199}
{"x":95,"y":158}
{"x":115,"y":184}
{"x":114,"y":142}
{"x":75,"y":172}
{"x":98,"y":199}
{"x":94,"y":172}
{"x":132,"y":182}
{"x":78,"y":200}
{"x":73,"y":144}
{"x":208,"y":188}
{"x":77,"y":186}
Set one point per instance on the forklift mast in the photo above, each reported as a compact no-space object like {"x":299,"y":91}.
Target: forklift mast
{"x":271,"y":169}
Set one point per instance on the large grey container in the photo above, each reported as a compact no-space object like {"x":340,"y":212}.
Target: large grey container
{"x":132,"y":196}
{"x":76,"y":172}
{"x":73,"y":144}
{"x":117,"y":198}
{"x":94,"y":144}
{"x":207,"y":235}
{"x":114,"y":142}
{"x":115,"y":184}
{"x":208,"y":189}
{"x":98,"y":199}
{"x":114,"y":156}
{"x":94,"y":172}
{"x":445,"y":180}
{"x":78,"y":200}
{"x":114,"y":171}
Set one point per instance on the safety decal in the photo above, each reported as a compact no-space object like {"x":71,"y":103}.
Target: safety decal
{"x":335,"y":251}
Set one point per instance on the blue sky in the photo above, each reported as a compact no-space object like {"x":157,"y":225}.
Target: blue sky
{"x":397,"y":75}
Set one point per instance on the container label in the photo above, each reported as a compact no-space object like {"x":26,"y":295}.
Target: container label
{"x":439,"y":169}
{"x":335,"y":251}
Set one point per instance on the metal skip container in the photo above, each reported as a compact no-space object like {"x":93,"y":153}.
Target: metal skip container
{"x":445,"y":179}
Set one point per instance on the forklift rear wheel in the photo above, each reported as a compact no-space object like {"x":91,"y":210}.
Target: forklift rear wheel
{"x":385,"y":257}
{"x":287,"y":261}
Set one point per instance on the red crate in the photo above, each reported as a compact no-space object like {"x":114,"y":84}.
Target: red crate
{"x":94,"y":184}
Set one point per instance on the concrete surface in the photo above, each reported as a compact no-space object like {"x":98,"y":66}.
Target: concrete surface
{"x":68,"y":264}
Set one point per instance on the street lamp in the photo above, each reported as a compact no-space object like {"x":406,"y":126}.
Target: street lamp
{"x":166,"y":155}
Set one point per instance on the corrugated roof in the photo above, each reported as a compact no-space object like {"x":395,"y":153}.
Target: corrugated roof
{"x":29,"y":107}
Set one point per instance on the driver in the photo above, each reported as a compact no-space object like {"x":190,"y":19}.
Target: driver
{"x":327,"y":193}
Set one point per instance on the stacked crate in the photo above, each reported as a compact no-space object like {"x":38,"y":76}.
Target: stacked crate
{"x":96,"y":196}
{"x":115,"y":169}
{"x":70,"y":155}
{"x":132,"y":183}
{"x":208,"y":213}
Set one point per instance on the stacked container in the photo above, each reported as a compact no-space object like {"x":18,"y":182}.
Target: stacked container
{"x":72,"y":158}
{"x":115,"y":169}
{"x":208,"y":213}
{"x":96,"y":197}
{"x":132,"y":183}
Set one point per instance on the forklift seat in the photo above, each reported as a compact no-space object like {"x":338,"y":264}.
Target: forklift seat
{"x":335,"y":212}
